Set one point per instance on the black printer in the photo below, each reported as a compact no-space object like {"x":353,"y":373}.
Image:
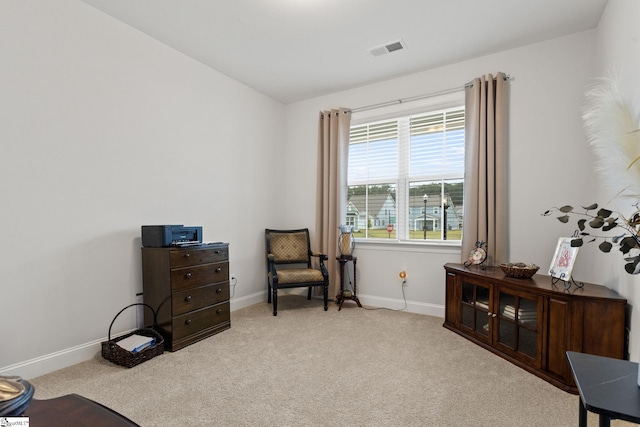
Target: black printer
{"x":158,"y":236}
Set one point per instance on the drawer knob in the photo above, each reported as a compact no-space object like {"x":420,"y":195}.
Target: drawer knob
{"x":217,"y":252}
{"x":187,"y":298}
{"x":187,"y":255}
{"x":187,"y":322}
{"x":218,"y":270}
{"x":219,"y":290}
{"x":218,"y":311}
{"x":187,"y":276}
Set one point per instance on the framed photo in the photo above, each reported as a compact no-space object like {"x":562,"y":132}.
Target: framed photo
{"x":563,"y":260}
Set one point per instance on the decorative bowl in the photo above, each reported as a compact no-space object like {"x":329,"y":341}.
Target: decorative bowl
{"x":519,"y":270}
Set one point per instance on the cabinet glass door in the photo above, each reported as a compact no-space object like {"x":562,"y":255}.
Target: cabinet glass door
{"x":518,"y":324}
{"x":474,"y":308}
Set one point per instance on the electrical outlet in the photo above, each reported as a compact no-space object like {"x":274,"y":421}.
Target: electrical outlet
{"x":233,"y":278}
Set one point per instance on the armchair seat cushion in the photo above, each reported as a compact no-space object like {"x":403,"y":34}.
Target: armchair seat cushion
{"x":299,"y":275}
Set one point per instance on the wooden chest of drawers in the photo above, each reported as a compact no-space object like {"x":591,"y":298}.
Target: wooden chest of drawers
{"x":189,"y":289}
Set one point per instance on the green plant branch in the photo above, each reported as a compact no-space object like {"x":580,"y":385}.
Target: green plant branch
{"x":605,"y":220}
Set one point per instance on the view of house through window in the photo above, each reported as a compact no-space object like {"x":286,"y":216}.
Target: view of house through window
{"x":406,"y":177}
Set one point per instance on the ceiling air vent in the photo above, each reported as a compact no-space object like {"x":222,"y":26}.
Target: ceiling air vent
{"x":387,"y":48}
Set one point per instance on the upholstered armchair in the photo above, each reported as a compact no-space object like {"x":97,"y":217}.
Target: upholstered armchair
{"x":289,"y":264}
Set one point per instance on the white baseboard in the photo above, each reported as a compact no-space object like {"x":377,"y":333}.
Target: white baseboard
{"x":246,"y":301}
{"x":435,"y":310}
{"x":52,"y":362}
{"x":61,"y":359}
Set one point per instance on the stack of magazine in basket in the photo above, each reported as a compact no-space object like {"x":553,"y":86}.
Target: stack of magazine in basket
{"x":136,"y":343}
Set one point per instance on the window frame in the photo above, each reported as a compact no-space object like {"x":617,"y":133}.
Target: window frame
{"x":421,"y":106}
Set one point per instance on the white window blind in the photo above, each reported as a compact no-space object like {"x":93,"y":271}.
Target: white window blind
{"x":373,"y":152}
{"x":437,"y":144}
{"x":405,"y":177}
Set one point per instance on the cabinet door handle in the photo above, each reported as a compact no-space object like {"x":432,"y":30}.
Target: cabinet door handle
{"x":187,"y":322}
{"x":187,"y":298}
{"x":489,"y":313}
{"x":187,"y":276}
{"x":218,"y":270}
{"x":493,"y":315}
{"x":218,"y":291}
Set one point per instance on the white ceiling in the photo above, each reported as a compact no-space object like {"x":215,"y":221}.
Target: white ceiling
{"x":293,"y":50}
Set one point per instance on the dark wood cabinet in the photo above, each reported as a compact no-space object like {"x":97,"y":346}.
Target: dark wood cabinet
{"x":532,"y":322}
{"x":189,"y":289}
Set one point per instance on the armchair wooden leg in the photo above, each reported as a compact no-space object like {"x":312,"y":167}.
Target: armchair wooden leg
{"x":275,"y":301}
{"x":326,"y":297}
{"x":269,"y":293}
{"x":309,"y":293}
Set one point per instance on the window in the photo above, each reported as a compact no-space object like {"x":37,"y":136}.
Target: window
{"x":406,"y":177}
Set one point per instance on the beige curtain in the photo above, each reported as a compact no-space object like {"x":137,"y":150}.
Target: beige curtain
{"x":485,"y":176}
{"x":333,"y":149}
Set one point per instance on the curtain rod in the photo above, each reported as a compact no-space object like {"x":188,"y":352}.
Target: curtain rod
{"x":418,"y":97}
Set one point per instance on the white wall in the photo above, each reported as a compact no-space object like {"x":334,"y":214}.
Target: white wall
{"x":102,"y":130}
{"x":618,"y":50}
{"x":549,"y":161}
{"x":95,"y":116}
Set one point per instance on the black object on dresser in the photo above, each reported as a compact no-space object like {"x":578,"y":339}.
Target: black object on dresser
{"x":189,"y":289}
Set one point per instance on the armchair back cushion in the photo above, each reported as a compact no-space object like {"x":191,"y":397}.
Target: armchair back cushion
{"x":289,"y":248}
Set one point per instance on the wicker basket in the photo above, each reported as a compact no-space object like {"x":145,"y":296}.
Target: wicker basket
{"x":519,"y":270}
{"x":118,"y":355}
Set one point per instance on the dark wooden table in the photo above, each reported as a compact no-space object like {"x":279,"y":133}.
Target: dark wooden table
{"x":607,"y":386}
{"x":74,"y":410}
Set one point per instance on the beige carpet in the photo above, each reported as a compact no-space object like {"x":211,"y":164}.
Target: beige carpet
{"x":307,"y":367}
